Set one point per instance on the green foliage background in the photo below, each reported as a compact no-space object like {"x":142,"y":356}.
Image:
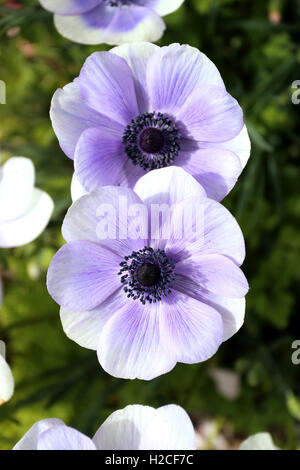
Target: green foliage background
{"x":259,"y":60}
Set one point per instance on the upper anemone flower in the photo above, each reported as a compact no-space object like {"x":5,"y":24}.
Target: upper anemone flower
{"x":6,"y":378}
{"x":147,"y":294}
{"x":140,"y":107}
{"x":24,"y":210}
{"x":136,"y":427}
{"x":110,"y":21}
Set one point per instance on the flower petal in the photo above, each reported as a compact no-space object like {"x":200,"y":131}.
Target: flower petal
{"x":85,"y":327}
{"x":168,"y":186}
{"x":82,"y":275}
{"x":174,"y":72}
{"x":171,"y":430}
{"x":85,"y":218}
{"x":164,"y":7}
{"x":30,"y":440}
{"x":131,"y":346}
{"x":69,"y":7}
{"x":77,"y":190}
{"x":231,"y":310}
{"x":240,"y":145}
{"x":192,"y":330}
{"x":210,"y":114}
{"x":30,"y":225}
{"x":6,"y":381}
{"x":137,"y":56}
{"x":106,"y":85}
{"x":216,"y":274}
{"x":260,"y":441}
{"x":70,"y":117}
{"x":123,"y":429}
{"x":216,"y":169}
{"x":16,"y":186}
{"x":99,"y":158}
{"x":64,"y":438}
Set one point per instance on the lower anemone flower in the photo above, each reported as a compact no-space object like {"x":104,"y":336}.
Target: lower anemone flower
{"x":144,"y":297}
{"x":24,"y":210}
{"x":6,"y":378}
{"x":110,"y":21}
{"x":136,"y":427}
{"x":140,"y":107}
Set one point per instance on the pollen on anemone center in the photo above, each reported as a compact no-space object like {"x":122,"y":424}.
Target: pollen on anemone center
{"x":152,"y":141}
{"x":147,"y":275}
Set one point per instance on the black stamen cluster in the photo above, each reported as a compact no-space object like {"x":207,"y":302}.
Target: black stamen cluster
{"x":147,"y":275}
{"x":152,"y":141}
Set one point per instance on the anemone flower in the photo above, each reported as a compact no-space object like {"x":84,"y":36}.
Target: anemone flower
{"x":140,"y":107}
{"x":136,"y":427}
{"x":141,"y":292}
{"x":24,"y":210}
{"x":6,"y":377}
{"x":110,"y":21}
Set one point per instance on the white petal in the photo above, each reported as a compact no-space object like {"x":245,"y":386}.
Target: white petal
{"x":16,"y":186}
{"x":168,"y":186}
{"x":30,"y":440}
{"x":240,"y":145}
{"x":164,"y":7}
{"x":30,"y":225}
{"x":260,"y":441}
{"x":77,"y":190}
{"x":6,"y":381}
{"x":123,"y":429}
{"x":175,"y":433}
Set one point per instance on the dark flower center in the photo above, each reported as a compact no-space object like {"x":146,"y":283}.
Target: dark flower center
{"x":152,"y":141}
{"x":147,"y":275}
{"x":117,"y":3}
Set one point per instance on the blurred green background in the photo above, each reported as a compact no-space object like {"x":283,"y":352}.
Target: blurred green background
{"x":256,"y":46}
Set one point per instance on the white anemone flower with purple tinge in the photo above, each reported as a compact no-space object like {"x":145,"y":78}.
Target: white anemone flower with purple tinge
{"x":6,"y":377}
{"x":110,"y":21}
{"x":24,"y":210}
{"x":135,"y":427}
{"x":145,"y":299}
{"x":140,"y":107}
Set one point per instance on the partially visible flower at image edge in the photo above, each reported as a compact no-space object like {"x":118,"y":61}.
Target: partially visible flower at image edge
{"x":141,"y":107}
{"x":260,"y":441}
{"x":145,"y":304}
{"x":6,"y":378}
{"x":110,"y":21}
{"x":135,"y":427}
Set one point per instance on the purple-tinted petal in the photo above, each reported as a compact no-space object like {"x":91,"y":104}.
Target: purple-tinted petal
{"x":99,"y":158}
{"x":30,"y":440}
{"x":174,"y":72}
{"x":131,"y":344}
{"x":192,"y":330}
{"x":85,"y":327}
{"x":216,"y":169}
{"x":64,"y":438}
{"x":106,"y":217}
{"x":164,"y":7}
{"x":137,"y":56}
{"x":216,"y":274}
{"x":210,"y":114}
{"x":106,"y":85}
{"x":69,"y":7}
{"x":215,"y":231}
{"x":70,"y":117}
{"x":231,"y":310}
{"x":82,"y":275}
